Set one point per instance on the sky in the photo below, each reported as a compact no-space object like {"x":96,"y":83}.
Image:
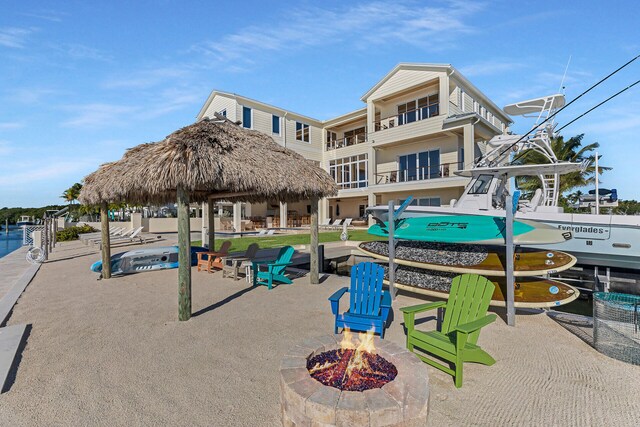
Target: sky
{"x":80,"y":82}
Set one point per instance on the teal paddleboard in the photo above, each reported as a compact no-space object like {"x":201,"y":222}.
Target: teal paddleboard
{"x":479,"y":229}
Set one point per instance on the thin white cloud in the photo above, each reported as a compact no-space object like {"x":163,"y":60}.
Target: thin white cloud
{"x":47,"y":15}
{"x":376,"y":25}
{"x":14,"y":37}
{"x":147,"y":78}
{"x":79,"y":51}
{"x":5,"y":147}
{"x":42,"y":172}
{"x":30,"y":95}
{"x":490,"y":68}
{"x":11,"y":125}
{"x":98,"y":115}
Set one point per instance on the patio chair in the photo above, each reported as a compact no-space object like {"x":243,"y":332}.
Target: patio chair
{"x":347,"y":222}
{"x":271,"y":232}
{"x":336,"y":224}
{"x":369,"y":305}
{"x":465,"y":315}
{"x":231,"y":265}
{"x":265,"y":272}
{"x":212,"y":259}
{"x":261,"y":233}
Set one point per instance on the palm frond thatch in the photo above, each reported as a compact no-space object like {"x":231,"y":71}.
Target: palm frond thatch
{"x":209,"y":157}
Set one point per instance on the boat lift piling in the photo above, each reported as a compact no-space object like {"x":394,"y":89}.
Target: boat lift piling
{"x":392,"y":250}
{"x":510,"y":204}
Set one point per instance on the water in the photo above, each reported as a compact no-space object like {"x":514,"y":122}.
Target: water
{"x":10,"y":242}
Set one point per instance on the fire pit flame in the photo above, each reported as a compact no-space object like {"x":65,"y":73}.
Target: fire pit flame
{"x":354,"y":367}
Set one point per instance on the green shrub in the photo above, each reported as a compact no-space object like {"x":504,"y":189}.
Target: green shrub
{"x":72,"y":233}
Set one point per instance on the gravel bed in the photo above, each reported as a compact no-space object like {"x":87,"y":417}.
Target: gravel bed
{"x":433,"y":280}
{"x":433,"y":253}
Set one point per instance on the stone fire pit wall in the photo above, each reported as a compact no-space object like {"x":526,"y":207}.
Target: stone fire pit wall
{"x":306,"y":402}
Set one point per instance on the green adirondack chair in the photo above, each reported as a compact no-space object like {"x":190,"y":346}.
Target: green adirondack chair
{"x":265,"y":272}
{"x":465,"y":314}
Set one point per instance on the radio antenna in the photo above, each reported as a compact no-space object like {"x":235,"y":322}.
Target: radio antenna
{"x":561,"y":89}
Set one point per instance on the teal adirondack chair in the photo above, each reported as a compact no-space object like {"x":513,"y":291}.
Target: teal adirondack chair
{"x":465,"y":314}
{"x":265,"y":272}
{"x":369,"y":305}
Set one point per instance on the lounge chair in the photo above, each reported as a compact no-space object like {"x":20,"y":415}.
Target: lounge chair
{"x":125,"y":235}
{"x":271,"y":232}
{"x":130,"y":237}
{"x":465,"y":315}
{"x":94,"y":234}
{"x":265,"y":272}
{"x":336,"y":224}
{"x":211,"y":260}
{"x":324,"y":223}
{"x":117,"y":232}
{"x":347,"y":222}
{"x":261,"y":233}
{"x":369,"y":305}
{"x":231,"y":265}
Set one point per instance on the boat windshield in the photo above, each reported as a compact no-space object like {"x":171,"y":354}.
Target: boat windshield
{"x":481,"y":185}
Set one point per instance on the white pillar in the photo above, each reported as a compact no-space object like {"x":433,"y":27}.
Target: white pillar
{"x":469,"y":146}
{"x":371,"y":202}
{"x":136,"y":220}
{"x":237,"y":217}
{"x":205,"y":216}
{"x":283,"y":215}
{"x":323,"y":213}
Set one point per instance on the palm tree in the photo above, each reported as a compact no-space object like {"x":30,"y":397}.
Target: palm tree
{"x":570,"y":150}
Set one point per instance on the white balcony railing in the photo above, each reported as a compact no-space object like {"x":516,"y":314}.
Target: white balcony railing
{"x":407,"y":117}
{"x":346,"y":141}
{"x":444,"y":170}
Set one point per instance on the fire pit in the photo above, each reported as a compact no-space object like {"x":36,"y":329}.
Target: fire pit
{"x":352,"y":381}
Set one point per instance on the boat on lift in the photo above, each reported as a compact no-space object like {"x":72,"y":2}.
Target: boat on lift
{"x":25,"y":220}
{"x":603,"y":240}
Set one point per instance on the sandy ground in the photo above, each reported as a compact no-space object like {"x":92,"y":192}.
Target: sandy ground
{"x":112,"y":353}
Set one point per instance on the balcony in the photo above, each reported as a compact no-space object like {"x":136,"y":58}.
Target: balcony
{"x":444,"y":170}
{"x":403,"y":118}
{"x":347,"y":141}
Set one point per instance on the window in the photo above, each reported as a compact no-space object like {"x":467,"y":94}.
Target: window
{"x":332,"y":142}
{"x":481,"y":185}
{"x":223,"y":112}
{"x":350,"y":172}
{"x":355,"y":136}
{"x":362,"y":211}
{"x":419,"y":109}
{"x":275,"y":124}
{"x":246,"y":117}
{"x":419,"y":166}
{"x":302,"y":132}
{"x":424,"y":201}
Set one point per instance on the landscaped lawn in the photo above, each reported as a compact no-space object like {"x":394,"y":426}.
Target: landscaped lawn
{"x":241,"y":243}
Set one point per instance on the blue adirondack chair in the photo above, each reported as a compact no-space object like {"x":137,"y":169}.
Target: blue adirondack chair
{"x":369,"y":305}
{"x":265,"y":272}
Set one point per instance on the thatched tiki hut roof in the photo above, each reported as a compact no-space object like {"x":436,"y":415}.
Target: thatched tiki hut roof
{"x":210,"y":159}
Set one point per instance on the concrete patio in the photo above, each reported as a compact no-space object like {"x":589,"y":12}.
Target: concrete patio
{"x":111,"y":352}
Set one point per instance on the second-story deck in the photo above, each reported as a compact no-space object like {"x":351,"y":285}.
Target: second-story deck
{"x":443,"y":170}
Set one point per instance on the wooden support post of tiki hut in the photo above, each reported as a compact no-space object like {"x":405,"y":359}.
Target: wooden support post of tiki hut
{"x":314,"y":273}
{"x":106,"y":240}
{"x":211,"y":205}
{"x":184,"y":256}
